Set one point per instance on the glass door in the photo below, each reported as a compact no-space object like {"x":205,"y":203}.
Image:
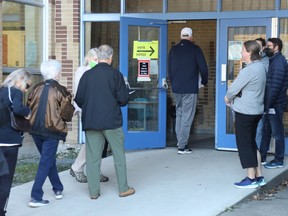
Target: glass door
{"x":143,"y":49}
{"x":233,"y":33}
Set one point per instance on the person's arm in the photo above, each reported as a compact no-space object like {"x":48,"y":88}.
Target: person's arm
{"x":202,"y":67}
{"x":238,"y":84}
{"x":17,"y":100}
{"x":79,"y":97}
{"x":122,"y":91}
{"x":276,"y":76}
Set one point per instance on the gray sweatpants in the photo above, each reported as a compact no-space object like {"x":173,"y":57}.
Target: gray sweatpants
{"x":185,"y":112}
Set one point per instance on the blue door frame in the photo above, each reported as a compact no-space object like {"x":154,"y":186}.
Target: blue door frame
{"x":145,"y":139}
{"x":225,"y":141}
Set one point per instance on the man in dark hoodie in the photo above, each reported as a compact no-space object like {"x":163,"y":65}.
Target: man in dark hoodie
{"x":186,"y":60}
{"x":275,"y":103}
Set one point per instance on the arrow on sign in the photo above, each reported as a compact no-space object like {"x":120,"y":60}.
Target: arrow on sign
{"x":151,"y":50}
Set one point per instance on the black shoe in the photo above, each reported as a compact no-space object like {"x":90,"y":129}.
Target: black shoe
{"x":103,"y":178}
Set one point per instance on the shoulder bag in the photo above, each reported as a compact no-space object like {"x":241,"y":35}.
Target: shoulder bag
{"x":18,"y":122}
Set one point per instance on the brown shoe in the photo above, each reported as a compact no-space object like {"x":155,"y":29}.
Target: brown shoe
{"x":95,"y":197}
{"x":129,"y":192}
{"x":103,"y":178}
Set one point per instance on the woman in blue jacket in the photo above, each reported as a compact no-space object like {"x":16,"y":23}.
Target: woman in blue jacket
{"x":10,"y":139}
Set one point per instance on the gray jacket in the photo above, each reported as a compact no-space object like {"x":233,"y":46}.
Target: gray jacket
{"x":247,"y":90}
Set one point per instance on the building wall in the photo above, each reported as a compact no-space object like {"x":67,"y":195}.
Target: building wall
{"x":64,"y":46}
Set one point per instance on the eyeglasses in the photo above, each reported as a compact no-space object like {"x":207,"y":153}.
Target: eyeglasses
{"x":27,"y":86}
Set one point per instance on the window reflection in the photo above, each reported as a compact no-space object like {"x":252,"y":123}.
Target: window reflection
{"x":242,"y":5}
{"x":140,"y":6}
{"x":22,"y":35}
{"x":98,"y":33}
{"x":102,"y":6}
{"x":284,"y":4}
{"x":189,"y":6}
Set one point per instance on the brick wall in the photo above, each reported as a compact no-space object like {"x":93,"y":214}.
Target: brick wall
{"x":64,"y":46}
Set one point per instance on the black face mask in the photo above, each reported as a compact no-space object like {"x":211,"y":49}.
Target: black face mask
{"x":269,"y":52}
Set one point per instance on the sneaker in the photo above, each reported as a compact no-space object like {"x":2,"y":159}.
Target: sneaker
{"x":184,"y":151}
{"x":58,"y":195}
{"x":274,"y":164}
{"x":261,"y":181}
{"x":94,"y":197}
{"x":103,"y":178}
{"x":247,"y":183}
{"x":263,"y":163}
{"x":37,"y":203}
{"x":129,"y":192}
{"x":80,"y":176}
{"x":187,"y":149}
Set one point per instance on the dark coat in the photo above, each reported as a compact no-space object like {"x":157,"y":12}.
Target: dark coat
{"x":7,"y":133}
{"x":186,"y":60}
{"x":277,"y":82}
{"x":100,"y":94}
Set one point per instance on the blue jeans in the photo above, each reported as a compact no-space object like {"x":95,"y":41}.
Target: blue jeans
{"x":47,"y":148}
{"x":273,"y":125}
{"x":259,"y":133}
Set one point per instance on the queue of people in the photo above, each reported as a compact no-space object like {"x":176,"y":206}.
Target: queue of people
{"x":258,"y":92}
{"x":258,"y":97}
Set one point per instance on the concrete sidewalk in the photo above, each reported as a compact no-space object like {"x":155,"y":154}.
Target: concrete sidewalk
{"x":166,"y":183}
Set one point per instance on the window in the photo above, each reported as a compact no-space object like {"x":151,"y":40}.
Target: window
{"x":102,"y":6}
{"x":192,"y":6}
{"x":244,"y":5}
{"x":284,"y":4}
{"x":98,"y":33}
{"x":140,"y":6}
{"x":21,"y":36}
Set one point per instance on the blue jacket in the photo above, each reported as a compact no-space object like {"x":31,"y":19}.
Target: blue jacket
{"x":277,"y":82}
{"x":100,"y":94}
{"x":8,"y":135}
{"x":186,"y":60}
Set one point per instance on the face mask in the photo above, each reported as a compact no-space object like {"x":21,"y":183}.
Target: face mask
{"x":92,"y":64}
{"x":269,"y":52}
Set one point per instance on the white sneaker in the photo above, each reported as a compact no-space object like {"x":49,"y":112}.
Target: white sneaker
{"x":184,"y":151}
{"x":58,"y":195}
{"x":35,"y":203}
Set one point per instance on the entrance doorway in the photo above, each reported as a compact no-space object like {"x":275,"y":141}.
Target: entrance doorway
{"x":203,"y":127}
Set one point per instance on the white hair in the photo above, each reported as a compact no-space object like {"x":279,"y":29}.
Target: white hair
{"x":105,"y":52}
{"x":22,"y":75}
{"x":90,"y":54}
{"x":50,"y":69}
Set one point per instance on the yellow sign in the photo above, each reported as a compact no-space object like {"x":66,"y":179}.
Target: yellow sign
{"x":145,"y":49}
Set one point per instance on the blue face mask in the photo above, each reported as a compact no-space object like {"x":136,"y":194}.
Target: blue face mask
{"x":92,"y":64}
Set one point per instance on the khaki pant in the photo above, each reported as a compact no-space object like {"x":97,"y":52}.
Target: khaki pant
{"x":95,"y":140}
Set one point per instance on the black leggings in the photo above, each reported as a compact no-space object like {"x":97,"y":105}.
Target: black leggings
{"x":11,"y":155}
{"x":246,"y":127}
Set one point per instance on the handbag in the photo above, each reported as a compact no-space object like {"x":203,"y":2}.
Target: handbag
{"x":18,"y":122}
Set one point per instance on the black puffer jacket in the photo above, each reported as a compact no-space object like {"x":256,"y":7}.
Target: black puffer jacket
{"x":277,"y":82}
